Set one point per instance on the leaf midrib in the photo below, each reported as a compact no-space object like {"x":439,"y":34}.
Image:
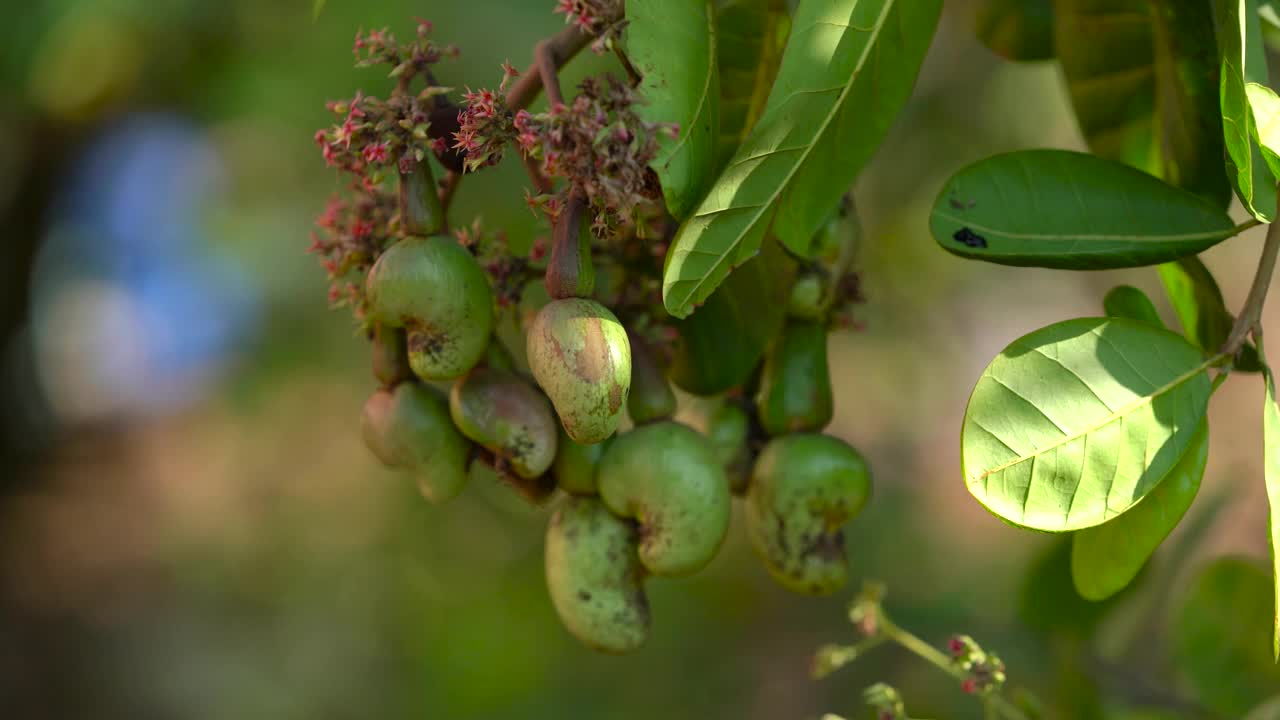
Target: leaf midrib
{"x":773,"y":198}
{"x":1205,"y":235}
{"x":1116,"y":415}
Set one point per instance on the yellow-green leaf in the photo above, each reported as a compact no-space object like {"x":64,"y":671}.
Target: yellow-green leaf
{"x":1073,"y":424}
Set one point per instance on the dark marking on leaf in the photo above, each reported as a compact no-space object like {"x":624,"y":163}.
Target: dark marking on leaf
{"x":965,"y":236}
{"x":960,"y":204}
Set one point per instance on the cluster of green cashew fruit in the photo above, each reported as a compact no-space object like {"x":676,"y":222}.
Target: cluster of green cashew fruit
{"x":588,"y":410}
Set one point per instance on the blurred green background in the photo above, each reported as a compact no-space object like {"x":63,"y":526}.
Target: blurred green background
{"x":191,"y":528}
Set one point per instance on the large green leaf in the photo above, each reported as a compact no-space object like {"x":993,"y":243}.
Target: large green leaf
{"x":1243,"y":60}
{"x":1219,"y":641}
{"x":1266,"y":125}
{"x":1106,"y":558}
{"x":1061,"y":209}
{"x":672,"y":43}
{"x":721,"y":344}
{"x":1017,"y":29}
{"x":1271,"y":472}
{"x":848,"y":69}
{"x":1143,"y":78}
{"x":1074,"y":423}
{"x":1198,"y":302}
{"x":752,"y":34}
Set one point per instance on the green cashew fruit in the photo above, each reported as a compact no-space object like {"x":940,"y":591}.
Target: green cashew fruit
{"x":595,"y":578}
{"x":727,"y":429}
{"x":666,"y":477}
{"x":575,"y":464}
{"x":408,"y":428}
{"x":579,"y":354}
{"x":804,"y":488}
{"x":809,"y":297}
{"x":795,"y":386}
{"x":508,"y":417}
{"x":436,"y":291}
{"x":390,"y":356}
{"x":651,"y":397}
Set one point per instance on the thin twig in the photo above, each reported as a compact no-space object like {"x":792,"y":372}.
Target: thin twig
{"x":545,"y":58}
{"x":561,"y":48}
{"x":935,"y":657}
{"x":1251,"y":314}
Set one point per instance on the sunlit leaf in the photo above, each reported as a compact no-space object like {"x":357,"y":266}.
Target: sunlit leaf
{"x":1220,"y":640}
{"x":317,"y":8}
{"x":673,"y":45}
{"x":1017,"y":29}
{"x":1074,"y":423}
{"x":848,"y":69}
{"x":1271,"y":471}
{"x":1106,"y":558}
{"x":1127,"y":301}
{"x":1198,"y":302}
{"x":1143,"y":79}
{"x":1061,"y":209}
{"x":1266,"y":126}
{"x":752,"y":34}
{"x":1243,"y":60}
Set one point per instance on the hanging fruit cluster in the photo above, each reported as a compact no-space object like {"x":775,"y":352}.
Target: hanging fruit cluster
{"x":555,"y":369}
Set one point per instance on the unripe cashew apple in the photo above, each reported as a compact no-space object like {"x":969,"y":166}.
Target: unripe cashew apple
{"x":666,"y":477}
{"x":436,"y":291}
{"x":727,"y":429}
{"x":579,"y":354}
{"x":408,"y":428}
{"x":594,"y":576}
{"x":804,"y":488}
{"x":795,"y":385}
{"x":506,"y":415}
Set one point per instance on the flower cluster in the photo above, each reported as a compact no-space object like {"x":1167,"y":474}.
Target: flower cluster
{"x":984,"y":671}
{"x":600,"y":144}
{"x":350,"y":235}
{"x":485,"y":126}
{"x":407,"y":61}
{"x":601,"y":18}
{"x":374,"y":134}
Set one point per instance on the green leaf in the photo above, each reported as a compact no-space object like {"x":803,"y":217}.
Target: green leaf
{"x":1267,"y":11}
{"x":1127,"y":301}
{"x":672,"y":44}
{"x":317,"y":7}
{"x":1218,"y":639}
{"x":1266,"y":125}
{"x":1106,"y":558}
{"x":1271,"y":471}
{"x":752,"y":34}
{"x":1143,"y":78}
{"x":1017,"y":29}
{"x":848,"y":69}
{"x":1243,"y":60}
{"x":1061,"y":209}
{"x":1198,"y":302}
{"x":721,"y":344}
{"x":1074,"y":423}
